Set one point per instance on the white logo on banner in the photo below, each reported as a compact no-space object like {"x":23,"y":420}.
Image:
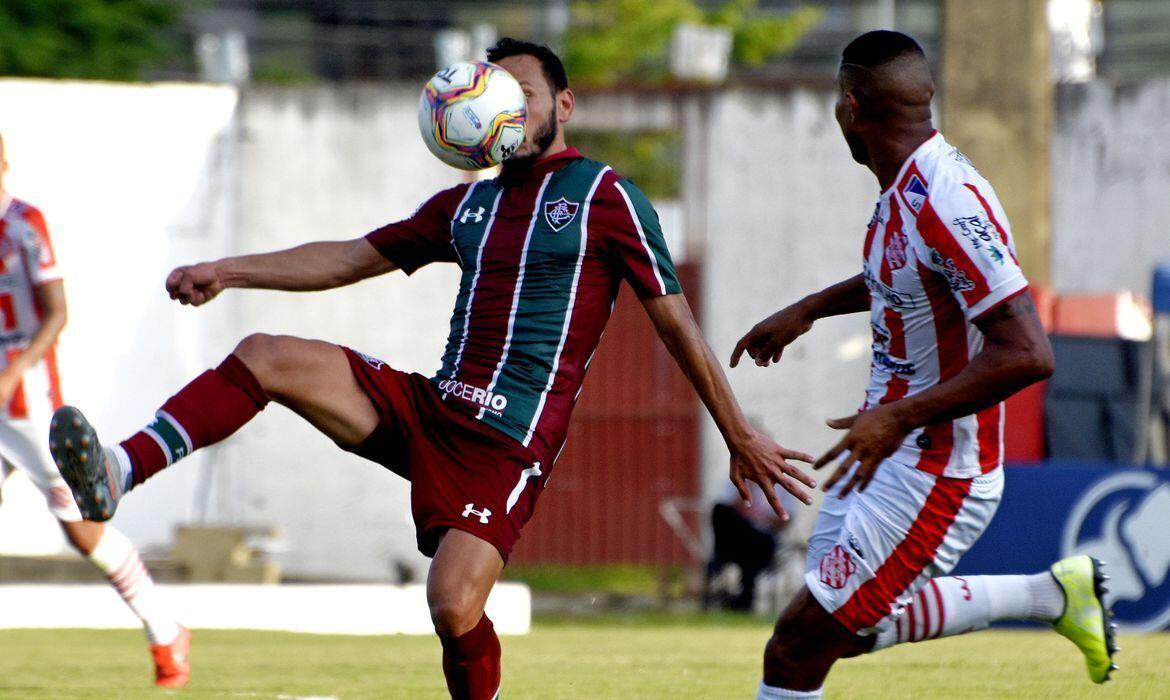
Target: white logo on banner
{"x":1132,"y":540}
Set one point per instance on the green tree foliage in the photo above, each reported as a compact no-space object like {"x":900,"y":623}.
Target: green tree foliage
{"x":90,"y":39}
{"x":628,"y":40}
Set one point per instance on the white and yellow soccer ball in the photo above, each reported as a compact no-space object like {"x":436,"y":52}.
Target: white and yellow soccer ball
{"x":471,"y":115}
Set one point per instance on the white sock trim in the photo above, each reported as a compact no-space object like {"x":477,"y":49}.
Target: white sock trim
{"x":768,"y":692}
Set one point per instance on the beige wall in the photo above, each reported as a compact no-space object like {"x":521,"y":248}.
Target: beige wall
{"x":997,"y":107}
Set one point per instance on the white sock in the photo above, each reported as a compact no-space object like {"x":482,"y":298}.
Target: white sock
{"x":117,"y":558}
{"x":768,"y":692}
{"x":951,"y":605}
{"x":121,"y":462}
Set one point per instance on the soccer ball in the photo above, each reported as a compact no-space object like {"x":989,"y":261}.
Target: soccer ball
{"x":472,"y":115}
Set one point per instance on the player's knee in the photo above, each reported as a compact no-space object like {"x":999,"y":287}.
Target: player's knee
{"x":455,"y":615}
{"x":267,"y":356}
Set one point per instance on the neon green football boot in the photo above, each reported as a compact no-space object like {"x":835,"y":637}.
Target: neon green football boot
{"x":1086,"y":621}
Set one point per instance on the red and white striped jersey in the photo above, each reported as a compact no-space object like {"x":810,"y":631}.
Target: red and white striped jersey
{"x":26,"y":262}
{"x":938,"y":255}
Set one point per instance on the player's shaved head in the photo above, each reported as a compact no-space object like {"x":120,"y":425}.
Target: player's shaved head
{"x":884,"y":87}
{"x":888,"y":73}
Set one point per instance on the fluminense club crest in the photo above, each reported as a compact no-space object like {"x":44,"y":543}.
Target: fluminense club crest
{"x":558,"y":214}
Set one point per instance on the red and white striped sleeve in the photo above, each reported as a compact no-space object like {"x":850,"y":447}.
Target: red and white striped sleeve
{"x":42,"y":260}
{"x":966,"y":242}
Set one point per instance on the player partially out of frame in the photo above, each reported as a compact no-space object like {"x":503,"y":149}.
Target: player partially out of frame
{"x":542,"y":249}
{"x":920,"y":474}
{"x":33,"y":313}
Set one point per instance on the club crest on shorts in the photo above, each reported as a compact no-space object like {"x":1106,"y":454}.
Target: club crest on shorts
{"x":560,"y":213}
{"x":371,"y":361}
{"x":836,"y":567}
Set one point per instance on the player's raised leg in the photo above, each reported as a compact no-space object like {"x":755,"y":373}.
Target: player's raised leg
{"x":311,"y":377}
{"x":462,"y":575}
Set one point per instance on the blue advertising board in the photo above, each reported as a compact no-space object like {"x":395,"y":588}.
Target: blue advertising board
{"x":1119,"y":514}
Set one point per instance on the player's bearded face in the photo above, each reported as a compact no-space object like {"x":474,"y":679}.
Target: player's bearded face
{"x":540,"y":132}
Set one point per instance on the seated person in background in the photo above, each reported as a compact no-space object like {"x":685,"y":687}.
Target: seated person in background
{"x":744,"y":536}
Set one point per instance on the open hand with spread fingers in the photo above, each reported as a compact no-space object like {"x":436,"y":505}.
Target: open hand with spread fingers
{"x":757,"y":458}
{"x":873,"y":436}
{"x":195,"y":284}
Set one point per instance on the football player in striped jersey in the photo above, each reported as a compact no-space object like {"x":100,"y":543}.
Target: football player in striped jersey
{"x":920,"y":473}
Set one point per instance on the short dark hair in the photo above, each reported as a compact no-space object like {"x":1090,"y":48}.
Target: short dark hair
{"x":875,"y":49}
{"x":550,"y":63}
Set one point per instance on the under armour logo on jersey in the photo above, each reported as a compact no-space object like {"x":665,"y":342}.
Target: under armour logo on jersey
{"x":469,"y":510}
{"x":478,"y":214}
{"x":560,"y":213}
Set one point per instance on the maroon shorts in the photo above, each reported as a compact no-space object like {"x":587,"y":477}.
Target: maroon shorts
{"x":463,"y":474}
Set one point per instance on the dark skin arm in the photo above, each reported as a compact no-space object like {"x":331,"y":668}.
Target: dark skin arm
{"x":753,"y":455}
{"x":1015,"y":354}
{"x":766,"y":341}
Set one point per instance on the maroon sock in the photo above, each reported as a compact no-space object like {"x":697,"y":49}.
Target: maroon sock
{"x":471,"y":662}
{"x":213,"y":406}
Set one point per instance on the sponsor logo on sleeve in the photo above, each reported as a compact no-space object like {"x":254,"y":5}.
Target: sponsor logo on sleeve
{"x":956,"y":278}
{"x":975,"y":229}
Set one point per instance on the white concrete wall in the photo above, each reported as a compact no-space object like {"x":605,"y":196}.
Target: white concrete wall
{"x":1110,"y":186}
{"x":785,"y":215}
{"x":332,"y":164}
{"x":132,"y":180}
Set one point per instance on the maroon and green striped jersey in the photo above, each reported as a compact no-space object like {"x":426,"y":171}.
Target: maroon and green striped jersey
{"x":543,"y":255}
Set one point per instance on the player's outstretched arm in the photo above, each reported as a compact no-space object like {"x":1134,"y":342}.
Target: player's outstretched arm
{"x":753,"y":455}
{"x":766,"y":341}
{"x":306,"y":268}
{"x":1015,"y":354}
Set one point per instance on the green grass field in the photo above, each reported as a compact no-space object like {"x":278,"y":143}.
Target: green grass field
{"x":644,"y":657}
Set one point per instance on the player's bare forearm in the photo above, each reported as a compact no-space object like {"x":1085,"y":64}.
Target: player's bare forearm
{"x":753,"y":455}
{"x":766,"y":341}
{"x":680,"y":334}
{"x":54,"y":314}
{"x":1015,"y":354}
{"x":306,"y":268}
{"x":850,"y":296}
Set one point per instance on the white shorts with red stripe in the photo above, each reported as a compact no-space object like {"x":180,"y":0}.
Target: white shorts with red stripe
{"x":24,"y":445}
{"x":872,"y":552}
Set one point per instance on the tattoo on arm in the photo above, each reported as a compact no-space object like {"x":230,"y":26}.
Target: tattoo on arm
{"x":1020,"y":306}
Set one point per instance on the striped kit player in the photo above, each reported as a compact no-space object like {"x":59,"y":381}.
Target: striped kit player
{"x":919,"y":475}
{"x":32,"y":314}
